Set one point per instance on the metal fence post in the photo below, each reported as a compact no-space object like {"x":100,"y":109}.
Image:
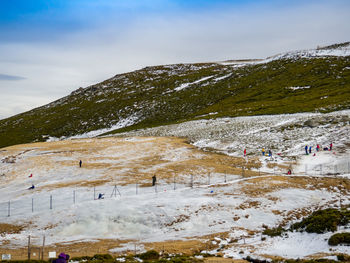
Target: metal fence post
{"x":9,"y":204}
{"x":50,"y":201}
{"x":174,"y":183}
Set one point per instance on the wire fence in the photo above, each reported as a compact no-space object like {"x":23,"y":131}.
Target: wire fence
{"x":341,"y":167}
{"x":59,"y":199}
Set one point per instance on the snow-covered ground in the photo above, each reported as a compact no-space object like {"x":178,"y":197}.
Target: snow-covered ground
{"x":232,"y":203}
{"x":340,"y":51}
{"x":285,"y":135}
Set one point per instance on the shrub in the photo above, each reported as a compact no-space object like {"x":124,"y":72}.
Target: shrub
{"x":98,"y":258}
{"x":274,"y":232}
{"x":340,"y":238}
{"x":323,"y":221}
{"x":149,"y":255}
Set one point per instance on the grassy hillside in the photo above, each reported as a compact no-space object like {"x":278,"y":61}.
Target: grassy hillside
{"x":161,"y":95}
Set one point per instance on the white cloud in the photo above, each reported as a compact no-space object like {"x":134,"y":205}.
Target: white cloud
{"x":52,"y":69}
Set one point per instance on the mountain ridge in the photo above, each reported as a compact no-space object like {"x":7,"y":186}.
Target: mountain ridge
{"x":154,"y":96}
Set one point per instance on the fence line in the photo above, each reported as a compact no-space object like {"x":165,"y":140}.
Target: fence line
{"x":57,"y":199}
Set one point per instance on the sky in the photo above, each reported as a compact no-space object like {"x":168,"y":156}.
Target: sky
{"x":49,"y":48}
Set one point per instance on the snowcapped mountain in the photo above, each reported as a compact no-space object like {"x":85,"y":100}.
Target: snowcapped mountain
{"x":338,"y":50}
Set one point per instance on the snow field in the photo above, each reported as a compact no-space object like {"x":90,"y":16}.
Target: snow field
{"x":167,"y":214}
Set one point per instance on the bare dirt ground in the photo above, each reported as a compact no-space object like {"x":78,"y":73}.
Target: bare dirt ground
{"x":122,"y":160}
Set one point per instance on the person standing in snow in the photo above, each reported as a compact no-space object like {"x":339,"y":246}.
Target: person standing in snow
{"x":310,"y":149}
{"x":154,"y":180}
{"x":306,"y":150}
{"x":331,"y":146}
{"x":245,"y":152}
{"x":263,"y":151}
{"x":317,"y":147}
{"x":80,"y":163}
{"x":270,"y":153}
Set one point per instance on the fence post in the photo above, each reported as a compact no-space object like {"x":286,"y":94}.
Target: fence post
{"x":73,"y":196}
{"x":32,"y":205}
{"x":136,"y":188}
{"x":42,"y":251}
{"x":174,"y":183}
{"x":29,"y":247}
{"x":191,"y":180}
{"x":225,"y":178}
{"x":9,"y":204}
{"x":321,"y":168}
{"x":50,"y":201}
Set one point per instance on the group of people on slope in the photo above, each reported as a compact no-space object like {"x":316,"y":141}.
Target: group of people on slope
{"x":264,"y":153}
{"x":308,"y":149}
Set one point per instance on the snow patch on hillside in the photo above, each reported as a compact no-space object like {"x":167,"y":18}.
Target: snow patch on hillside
{"x":132,"y":119}
{"x":298,"y":88}
{"x":185,"y":85}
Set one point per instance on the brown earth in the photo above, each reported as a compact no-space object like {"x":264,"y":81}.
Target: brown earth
{"x":123,"y":161}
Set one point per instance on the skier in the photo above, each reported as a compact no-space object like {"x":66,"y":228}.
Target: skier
{"x":310,"y":149}
{"x":263,"y":151}
{"x":245,"y":152}
{"x":270,"y":153}
{"x":317,"y":147}
{"x":306,"y":150}
{"x":154,"y":180}
{"x":32,"y":187}
{"x":80,"y":163}
{"x":100,"y":196}
{"x":331,"y":146}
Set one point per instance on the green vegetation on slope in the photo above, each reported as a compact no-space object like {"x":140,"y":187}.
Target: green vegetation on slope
{"x":339,"y":238}
{"x":323,"y":221}
{"x":150,"y":97}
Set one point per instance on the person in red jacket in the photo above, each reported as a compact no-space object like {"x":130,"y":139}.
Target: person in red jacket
{"x":245,"y":152}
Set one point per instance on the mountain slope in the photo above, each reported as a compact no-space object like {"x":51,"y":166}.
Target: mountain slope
{"x":154,"y":96}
